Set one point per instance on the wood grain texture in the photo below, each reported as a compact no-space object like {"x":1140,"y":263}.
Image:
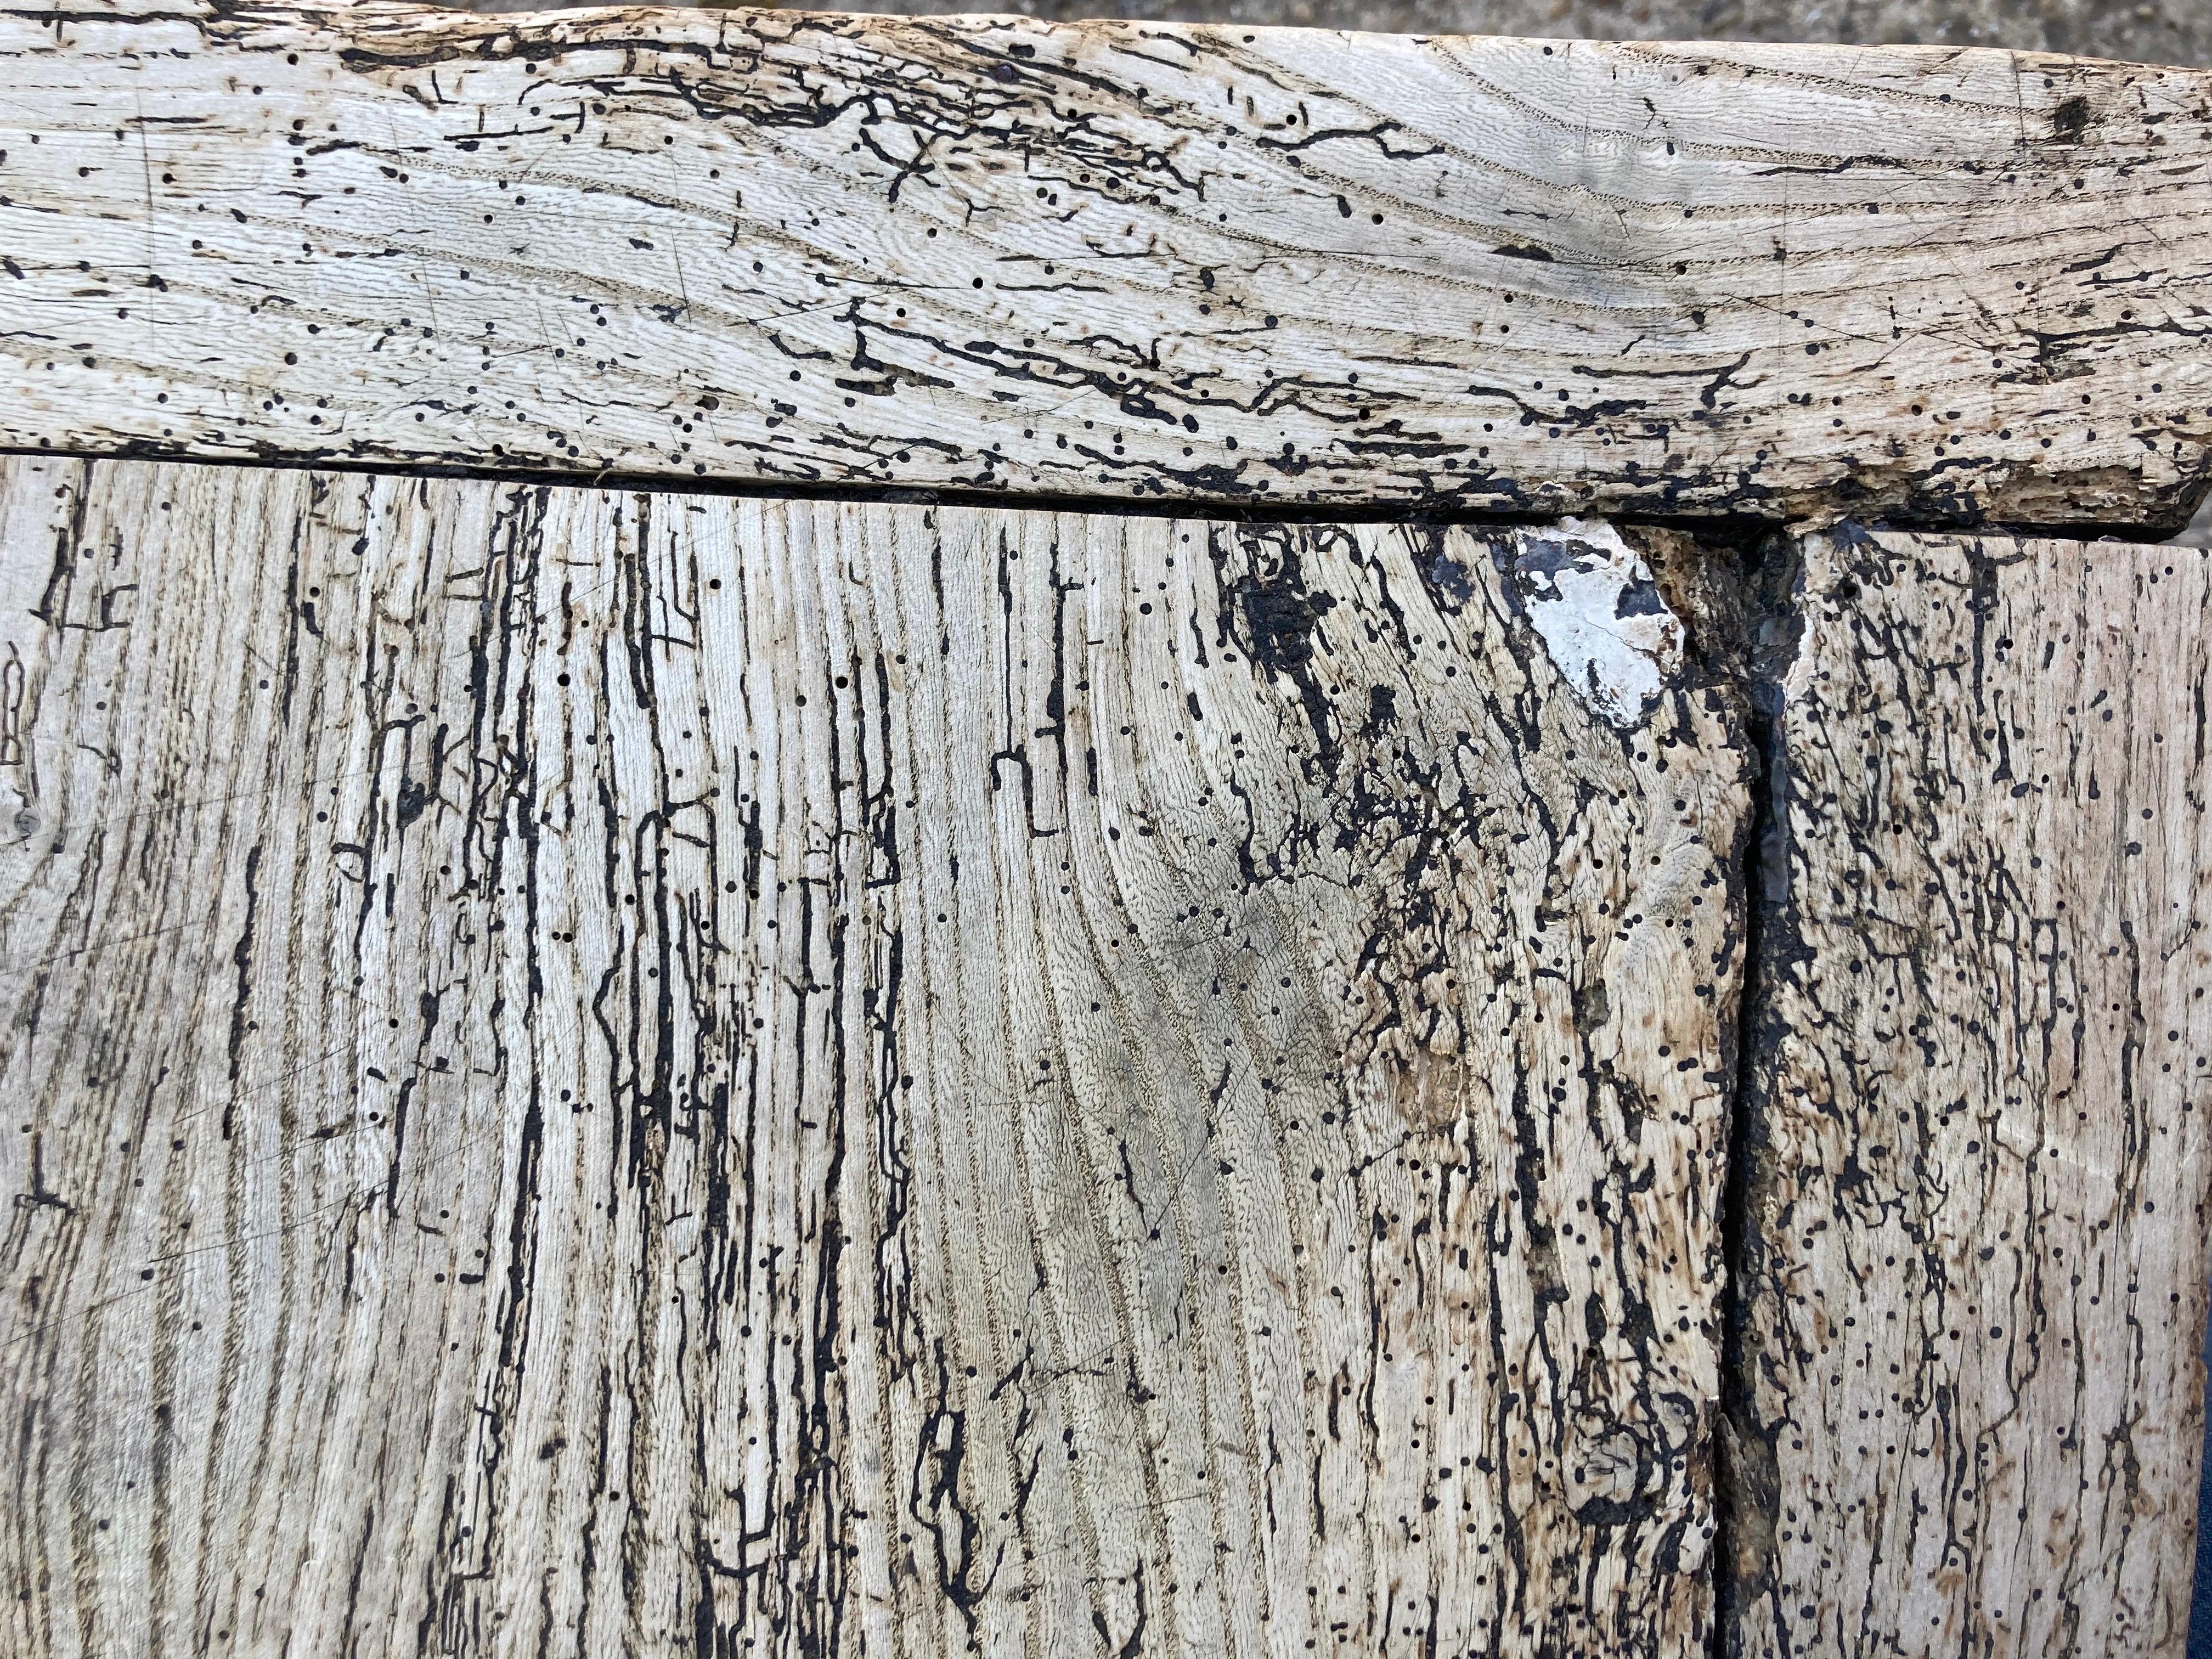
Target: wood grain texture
{"x":593,"y":1072}
{"x":1113,"y":260}
{"x":1975,"y":1219}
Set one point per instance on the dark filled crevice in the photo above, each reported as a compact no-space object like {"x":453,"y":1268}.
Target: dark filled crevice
{"x":1726,"y":531}
{"x":1747,"y":1487}
{"x":1735,"y":1512}
{"x":1738,"y":600}
{"x":1253,"y":510}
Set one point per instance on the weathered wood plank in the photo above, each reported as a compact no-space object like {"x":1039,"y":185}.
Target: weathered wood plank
{"x":1975,"y":1214}
{"x":604,"y":1074}
{"x":1113,"y":260}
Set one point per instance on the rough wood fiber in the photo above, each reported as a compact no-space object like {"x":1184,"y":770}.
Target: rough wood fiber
{"x":1975,"y":1217}
{"x":597,"y":1073}
{"x":1113,"y":260}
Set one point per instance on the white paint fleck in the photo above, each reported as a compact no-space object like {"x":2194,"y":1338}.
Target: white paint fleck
{"x":1590,"y":598}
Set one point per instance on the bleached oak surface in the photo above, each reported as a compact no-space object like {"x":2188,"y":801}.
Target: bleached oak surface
{"x":1975,"y":1222}
{"x":1112,"y":260}
{"x":591,"y":1072}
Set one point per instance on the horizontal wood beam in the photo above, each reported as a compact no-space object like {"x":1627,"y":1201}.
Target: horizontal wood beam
{"x":1112,"y":260}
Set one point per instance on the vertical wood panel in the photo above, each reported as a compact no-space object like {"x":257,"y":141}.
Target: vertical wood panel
{"x":1975,"y":1221}
{"x":612,"y":1073}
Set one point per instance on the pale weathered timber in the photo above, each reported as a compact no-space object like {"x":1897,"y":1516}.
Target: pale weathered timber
{"x":1113,"y":260}
{"x":1974,"y":1219}
{"x":613,"y":1073}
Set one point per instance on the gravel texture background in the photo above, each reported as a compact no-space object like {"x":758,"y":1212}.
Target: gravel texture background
{"x":2154,"y":31}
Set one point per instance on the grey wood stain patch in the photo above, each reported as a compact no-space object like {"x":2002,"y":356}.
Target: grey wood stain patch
{"x":1592,"y":600}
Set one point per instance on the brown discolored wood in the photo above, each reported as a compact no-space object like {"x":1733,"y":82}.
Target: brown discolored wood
{"x":591,"y":1072}
{"x":1113,"y":261}
{"x":1974,"y":1221}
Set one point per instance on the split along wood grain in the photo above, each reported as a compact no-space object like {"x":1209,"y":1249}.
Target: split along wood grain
{"x":593,"y":1072}
{"x":1112,"y":260}
{"x":1967,"y":1416}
